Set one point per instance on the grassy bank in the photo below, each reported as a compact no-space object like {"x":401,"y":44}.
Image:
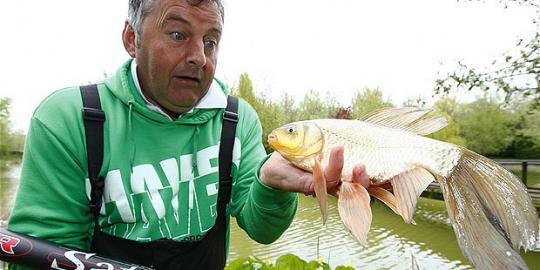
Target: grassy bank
{"x":17,"y":158}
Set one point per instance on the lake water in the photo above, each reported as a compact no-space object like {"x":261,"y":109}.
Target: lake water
{"x":391,"y":242}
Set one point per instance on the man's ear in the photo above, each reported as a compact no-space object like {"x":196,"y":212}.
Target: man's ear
{"x":128,"y":37}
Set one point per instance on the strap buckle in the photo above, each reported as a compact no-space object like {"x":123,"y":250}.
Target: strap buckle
{"x":93,"y":114}
{"x":230,"y":116}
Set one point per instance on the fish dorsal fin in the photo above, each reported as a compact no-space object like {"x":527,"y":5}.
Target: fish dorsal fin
{"x":407,"y":188}
{"x":427,"y":125}
{"x":407,"y":118}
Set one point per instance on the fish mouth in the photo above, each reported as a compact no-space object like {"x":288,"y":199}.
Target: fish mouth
{"x":272,"y":140}
{"x":274,"y":144}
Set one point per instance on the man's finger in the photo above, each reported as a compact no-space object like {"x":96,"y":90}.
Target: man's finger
{"x":360,"y":175}
{"x":332,"y":172}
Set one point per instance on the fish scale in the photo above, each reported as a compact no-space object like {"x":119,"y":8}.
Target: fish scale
{"x":386,"y":152}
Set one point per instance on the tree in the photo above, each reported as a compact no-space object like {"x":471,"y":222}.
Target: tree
{"x":10,"y":141}
{"x":367,"y":101}
{"x":313,"y":107}
{"x":531,"y":127}
{"x":486,"y":128}
{"x":447,"y":108}
{"x":271,"y":115}
{"x":289,"y":110}
{"x":418,"y":102}
{"x":344,"y":113}
{"x":526,"y":142}
{"x":245,"y":90}
{"x":516,"y":72}
{"x":331,"y":105}
{"x":447,"y":105}
{"x":5,"y":138}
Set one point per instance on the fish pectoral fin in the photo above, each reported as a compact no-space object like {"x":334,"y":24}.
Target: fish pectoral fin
{"x":354,"y":209}
{"x":319,"y":185}
{"x":384,"y":196}
{"x":407,"y":188}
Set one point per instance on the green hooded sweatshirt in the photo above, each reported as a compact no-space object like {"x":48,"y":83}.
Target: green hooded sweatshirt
{"x":160,"y":174}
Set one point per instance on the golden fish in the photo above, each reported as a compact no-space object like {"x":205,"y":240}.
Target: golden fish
{"x":491,"y":212}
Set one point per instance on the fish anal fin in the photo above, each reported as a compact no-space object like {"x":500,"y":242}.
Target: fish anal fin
{"x":385,"y":185}
{"x":384,"y":196}
{"x":354,"y":210}
{"x":407,"y":187}
{"x":319,"y":185}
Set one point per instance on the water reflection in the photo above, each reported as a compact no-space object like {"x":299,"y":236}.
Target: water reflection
{"x":390,"y":241}
{"x":9,"y":175}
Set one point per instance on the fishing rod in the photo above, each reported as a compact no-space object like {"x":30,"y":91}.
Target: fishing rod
{"x":29,"y":251}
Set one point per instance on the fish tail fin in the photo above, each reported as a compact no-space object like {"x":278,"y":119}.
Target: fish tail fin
{"x":354,"y":209}
{"x":491,"y":212}
{"x":319,"y":185}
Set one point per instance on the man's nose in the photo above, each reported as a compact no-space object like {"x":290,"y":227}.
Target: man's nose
{"x":195,"y":55}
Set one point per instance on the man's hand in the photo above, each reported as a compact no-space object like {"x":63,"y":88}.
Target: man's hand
{"x":279,"y":173}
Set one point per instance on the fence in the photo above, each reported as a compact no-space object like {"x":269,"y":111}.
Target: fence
{"x":525,"y":165}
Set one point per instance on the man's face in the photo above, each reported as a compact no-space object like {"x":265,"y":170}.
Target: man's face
{"x":177,"y":56}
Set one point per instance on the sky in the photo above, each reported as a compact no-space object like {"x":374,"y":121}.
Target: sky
{"x":329,"y":46}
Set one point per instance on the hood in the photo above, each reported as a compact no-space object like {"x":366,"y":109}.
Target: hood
{"x":123,"y":87}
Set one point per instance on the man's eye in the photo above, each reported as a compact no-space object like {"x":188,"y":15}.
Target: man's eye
{"x":177,"y":36}
{"x":211,"y":44}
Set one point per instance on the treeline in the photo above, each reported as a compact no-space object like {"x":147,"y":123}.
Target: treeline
{"x":487,"y":126}
{"x":11,"y":141}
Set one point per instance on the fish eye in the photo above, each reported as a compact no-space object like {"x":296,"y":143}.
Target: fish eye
{"x":290,"y":129}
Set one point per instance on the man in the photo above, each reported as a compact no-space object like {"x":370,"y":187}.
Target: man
{"x":162,"y":132}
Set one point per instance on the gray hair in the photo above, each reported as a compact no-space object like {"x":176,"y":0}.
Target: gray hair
{"x":139,"y":8}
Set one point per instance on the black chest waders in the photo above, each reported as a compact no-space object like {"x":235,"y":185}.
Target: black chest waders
{"x":207,"y":253}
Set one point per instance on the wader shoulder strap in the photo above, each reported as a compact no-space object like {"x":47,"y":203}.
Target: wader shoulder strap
{"x":93,"y":118}
{"x":228,"y":131}
{"x":209,"y":252}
